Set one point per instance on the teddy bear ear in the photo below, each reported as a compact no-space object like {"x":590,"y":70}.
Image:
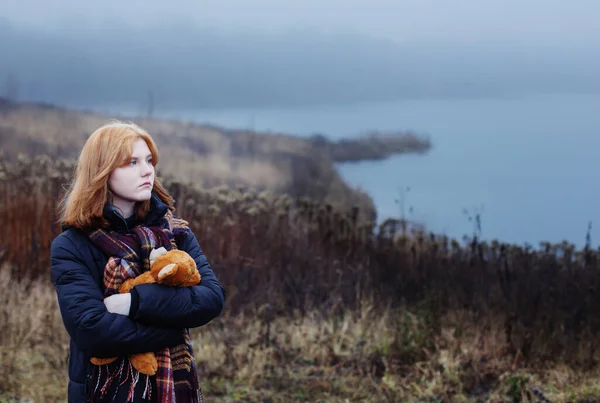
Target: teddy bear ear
{"x":167,"y":271}
{"x":154,"y":253}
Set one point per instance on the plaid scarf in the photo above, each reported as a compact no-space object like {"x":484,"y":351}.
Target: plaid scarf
{"x":176,"y":378}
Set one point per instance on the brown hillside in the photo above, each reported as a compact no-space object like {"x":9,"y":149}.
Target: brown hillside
{"x":206,"y":155}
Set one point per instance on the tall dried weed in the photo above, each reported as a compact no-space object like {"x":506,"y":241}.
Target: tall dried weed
{"x":321,"y":300}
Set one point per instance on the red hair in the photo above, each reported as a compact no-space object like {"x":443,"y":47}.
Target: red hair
{"x":109,"y":147}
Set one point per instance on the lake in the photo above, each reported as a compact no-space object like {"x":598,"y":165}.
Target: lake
{"x":528,"y":164}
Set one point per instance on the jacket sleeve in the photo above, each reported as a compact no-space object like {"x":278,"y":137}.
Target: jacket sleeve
{"x":187,"y":307}
{"x":93,"y":329}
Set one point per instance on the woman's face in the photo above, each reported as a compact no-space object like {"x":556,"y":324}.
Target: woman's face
{"x":134,"y":181}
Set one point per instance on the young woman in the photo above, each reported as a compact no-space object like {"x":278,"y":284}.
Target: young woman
{"x":115,"y":213}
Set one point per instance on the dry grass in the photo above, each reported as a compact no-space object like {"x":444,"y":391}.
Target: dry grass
{"x":296,"y":254}
{"x":33,"y":343}
{"x":324,"y":306}
{"x":336,"y":355}
{"x":210,"y":170}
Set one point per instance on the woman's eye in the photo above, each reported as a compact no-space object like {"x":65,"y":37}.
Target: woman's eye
{"x":132,"y":162}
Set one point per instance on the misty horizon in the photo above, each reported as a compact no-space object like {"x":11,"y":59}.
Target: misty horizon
{"x":186,"y":65}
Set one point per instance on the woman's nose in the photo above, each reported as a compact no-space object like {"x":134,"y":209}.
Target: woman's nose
{"x":147,"y":169}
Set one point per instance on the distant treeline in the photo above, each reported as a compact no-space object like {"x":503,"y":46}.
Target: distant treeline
{"x":372,"y":146}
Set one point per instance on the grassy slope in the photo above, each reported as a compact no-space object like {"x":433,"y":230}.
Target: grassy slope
{"x":365,"y":355}
{"x":211,"y":156}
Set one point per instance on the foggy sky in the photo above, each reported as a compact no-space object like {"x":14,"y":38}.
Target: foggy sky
{"x":238,"y":52}
{"x":529,"y":21}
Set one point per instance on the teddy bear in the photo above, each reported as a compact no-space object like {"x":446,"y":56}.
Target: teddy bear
{"x":173,"y":268}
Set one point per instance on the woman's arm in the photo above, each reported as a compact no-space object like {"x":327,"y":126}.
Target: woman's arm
{"x":187,"y":307}
{"x":94,"y":329}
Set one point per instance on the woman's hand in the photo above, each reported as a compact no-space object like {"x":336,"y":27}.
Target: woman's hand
{"x":118,"y":303}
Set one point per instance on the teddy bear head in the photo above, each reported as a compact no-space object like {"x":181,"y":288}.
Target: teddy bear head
{"x":173,"y":268}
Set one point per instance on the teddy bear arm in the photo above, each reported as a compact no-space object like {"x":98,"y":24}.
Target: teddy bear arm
{"x":144,"y":278}
{"x":102,"y":361}
{"x":145,"y":363}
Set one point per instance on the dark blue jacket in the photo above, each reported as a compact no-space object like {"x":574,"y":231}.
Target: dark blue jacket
{"x":158,"y":313}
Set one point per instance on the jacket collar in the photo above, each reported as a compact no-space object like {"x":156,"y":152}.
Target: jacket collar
{"x":118,"y":223}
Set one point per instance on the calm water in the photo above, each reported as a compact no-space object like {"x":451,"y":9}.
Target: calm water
{"x":530,"y":165}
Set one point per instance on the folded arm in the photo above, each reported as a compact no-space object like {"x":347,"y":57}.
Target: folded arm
{"x":94,"y":329}
{"x":186,"y":307}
